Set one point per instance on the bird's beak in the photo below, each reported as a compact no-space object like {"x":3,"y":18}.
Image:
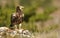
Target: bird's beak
{"x":21,"y":7}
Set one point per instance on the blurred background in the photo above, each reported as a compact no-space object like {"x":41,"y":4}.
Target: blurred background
{"x":41,"y":16}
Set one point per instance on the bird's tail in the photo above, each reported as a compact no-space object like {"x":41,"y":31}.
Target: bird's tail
{"x":11,"y":27}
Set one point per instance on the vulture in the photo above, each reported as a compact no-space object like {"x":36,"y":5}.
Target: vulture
{"x":17,"y":17}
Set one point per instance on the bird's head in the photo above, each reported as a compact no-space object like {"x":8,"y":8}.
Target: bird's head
{"x":19,"y":8}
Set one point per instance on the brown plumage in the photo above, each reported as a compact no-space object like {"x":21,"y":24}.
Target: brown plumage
{"x":17,"y":18}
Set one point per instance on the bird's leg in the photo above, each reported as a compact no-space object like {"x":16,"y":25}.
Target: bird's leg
{"x":15,"y":27}
{"x":20,"y":26}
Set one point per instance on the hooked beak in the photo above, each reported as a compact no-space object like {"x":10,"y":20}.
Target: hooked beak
{"x":21,"y":7}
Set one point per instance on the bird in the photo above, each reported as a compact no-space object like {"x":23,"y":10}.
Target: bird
{"x":17,"y":18}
